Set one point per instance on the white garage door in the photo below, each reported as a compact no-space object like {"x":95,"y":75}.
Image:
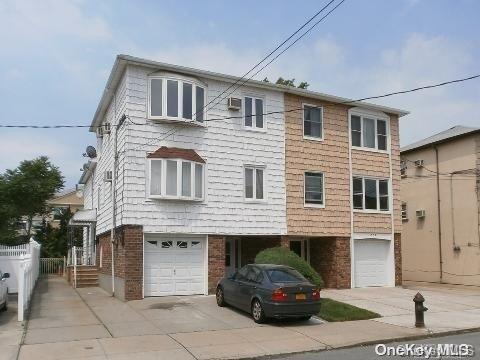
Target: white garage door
{"x":371,"y":267}
{"x":174,"y":265}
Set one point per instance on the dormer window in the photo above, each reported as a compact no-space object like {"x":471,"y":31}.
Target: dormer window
{"x":176,"y":174}
{"x":176,"y":99}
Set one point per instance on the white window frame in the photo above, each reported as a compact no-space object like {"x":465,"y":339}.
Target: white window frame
{"x":311,"y":205}
{"x":404,"y":211}
{"x":375,"y":116}
{"x":308,"y":137}
{"x":254,"y":113}
{"x":254,"y":168}
{"x":163,"y":183}
{"x":180,"y":80}
{"x":377,"y":179}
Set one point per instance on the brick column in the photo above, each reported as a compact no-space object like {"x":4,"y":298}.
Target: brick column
{"x":285,"y":241}
{"x":330,"y":257}
{"x":133,"y":248}
{"x":216,"y":261}
{"x":343,"y":263}
{"x":398,"y":258}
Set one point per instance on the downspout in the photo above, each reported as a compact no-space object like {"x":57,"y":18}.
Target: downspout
{"x":439,"y":215}
{"x":114,"y":195}
{"x":452,"y":210}
{"x":114,"y":200}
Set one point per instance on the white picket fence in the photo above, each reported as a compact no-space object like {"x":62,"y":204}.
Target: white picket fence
{"x":23,"y":264}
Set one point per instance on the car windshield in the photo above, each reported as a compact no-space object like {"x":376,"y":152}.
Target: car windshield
{"x":282,"y":275}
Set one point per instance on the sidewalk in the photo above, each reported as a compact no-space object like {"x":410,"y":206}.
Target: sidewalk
{"x":66,"y":324}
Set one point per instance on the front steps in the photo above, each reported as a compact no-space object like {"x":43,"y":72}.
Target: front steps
{"x":87,"y":276}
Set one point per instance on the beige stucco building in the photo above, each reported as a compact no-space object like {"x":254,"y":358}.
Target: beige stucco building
{"x":441,"y":208}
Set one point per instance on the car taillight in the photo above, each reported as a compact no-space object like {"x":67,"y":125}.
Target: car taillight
{"x":316,"y":294}
{"x":279,"y":295}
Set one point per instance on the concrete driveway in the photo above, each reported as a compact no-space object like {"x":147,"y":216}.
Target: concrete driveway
{"x":11,"y":331}
{"x":90,"y":324}
{"x":450,"y":307}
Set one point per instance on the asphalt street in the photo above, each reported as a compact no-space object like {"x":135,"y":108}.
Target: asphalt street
{"x":368,"y":352}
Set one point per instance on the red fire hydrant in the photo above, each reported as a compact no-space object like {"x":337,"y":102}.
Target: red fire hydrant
{"x":419,"y":310}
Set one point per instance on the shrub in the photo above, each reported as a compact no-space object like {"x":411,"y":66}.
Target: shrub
{"x":283,"y":256}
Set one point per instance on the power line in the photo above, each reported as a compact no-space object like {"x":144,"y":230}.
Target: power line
{"x":173,"y":131}
{"x":284,"y":50}
{"x":265,"y":113}
{"x":261,"y":61}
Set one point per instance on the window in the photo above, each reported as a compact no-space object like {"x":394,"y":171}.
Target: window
{"x":403,"y":168}
{"x":254,"y":113}
{"x":313,"y":122}
{"x":254,"y":183}
{"x":175,"y":179}
{"x":182,"y":244}
{"x":176,"y":99}
{"x":404,"y":211}
{"x":314,"y":188}
{"x":283,"y":275}
{"x":370,"y":194}
{"x":369,"y":132}
{"x":167,"y":244}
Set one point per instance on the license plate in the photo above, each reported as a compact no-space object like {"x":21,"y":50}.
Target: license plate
{"x":300,"y":296}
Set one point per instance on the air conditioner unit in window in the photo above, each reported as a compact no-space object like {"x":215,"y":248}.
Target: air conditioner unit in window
{"x":106,"y":128}
{"x":108,"y":176}
{"x":420,"y":214}
{"x":234,"y":103}
{"x":419,"y":163}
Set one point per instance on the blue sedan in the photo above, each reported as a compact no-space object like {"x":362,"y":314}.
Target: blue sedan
{"x":269,"y":291}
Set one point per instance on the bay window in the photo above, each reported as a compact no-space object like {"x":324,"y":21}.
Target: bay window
{"x":254,"y":183}
{"x":370,"y":194}
{"x":254,"y":113}
{"x":176,"y":99}
{"x":368,"y":132}
{"x":175,"y":179}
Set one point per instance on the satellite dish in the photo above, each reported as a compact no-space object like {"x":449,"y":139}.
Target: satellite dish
{"x":91,"y":152}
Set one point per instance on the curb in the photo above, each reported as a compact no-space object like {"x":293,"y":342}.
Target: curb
{"x":372,"y":342}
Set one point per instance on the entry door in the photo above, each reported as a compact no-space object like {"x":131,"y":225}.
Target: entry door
{"x":371,"y":256}
{"x":230,"y":256}
{"x":174,"y":266}
{"x":301,"y":248}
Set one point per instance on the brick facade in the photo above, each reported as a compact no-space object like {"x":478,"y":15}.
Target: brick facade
{"x":216,"y":261}
{"x":330,"y":257}
{"x":128,"y":252}
{"x":398,"y":259}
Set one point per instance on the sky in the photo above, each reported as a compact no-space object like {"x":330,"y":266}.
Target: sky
{"x":56,"y":55}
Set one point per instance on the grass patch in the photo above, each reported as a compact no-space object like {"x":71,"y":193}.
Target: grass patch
{"x":333,"y":311}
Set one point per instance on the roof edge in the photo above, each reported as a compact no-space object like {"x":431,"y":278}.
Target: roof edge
{"x":407,"y":149}
{"x":123,"y":60}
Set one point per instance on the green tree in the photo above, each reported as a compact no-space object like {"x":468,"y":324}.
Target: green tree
{"x":8,"y":216}
{"x":28,"y":187}
{"x":55,"y":240}
{"x":303,"y":85}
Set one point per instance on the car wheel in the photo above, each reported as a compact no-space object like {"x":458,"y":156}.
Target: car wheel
{"x":220,"y":297}
{"x":257,"y":312}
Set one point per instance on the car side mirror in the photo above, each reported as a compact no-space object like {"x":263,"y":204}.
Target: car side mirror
{"x":6,"y":276}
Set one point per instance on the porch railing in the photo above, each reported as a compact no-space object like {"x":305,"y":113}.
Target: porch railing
{"x":52,"y":266}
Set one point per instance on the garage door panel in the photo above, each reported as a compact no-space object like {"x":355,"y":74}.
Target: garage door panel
{"x":174,"y":266}
{"x":371,"y":262}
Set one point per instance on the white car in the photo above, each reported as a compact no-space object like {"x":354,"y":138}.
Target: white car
{"x":3,"y":291}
